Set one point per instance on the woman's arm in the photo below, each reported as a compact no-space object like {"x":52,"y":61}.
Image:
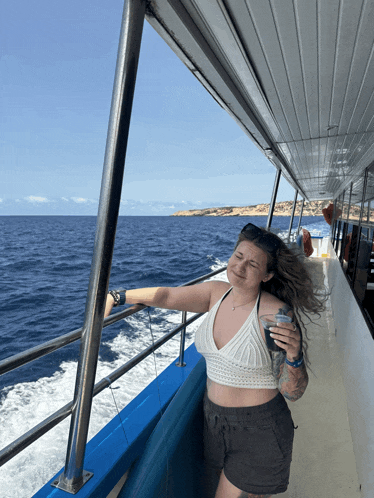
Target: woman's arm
{"x":292,"y":380}
{"x":194,"y":298}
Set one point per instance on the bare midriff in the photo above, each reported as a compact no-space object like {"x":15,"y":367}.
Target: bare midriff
{"x":238,"y":396}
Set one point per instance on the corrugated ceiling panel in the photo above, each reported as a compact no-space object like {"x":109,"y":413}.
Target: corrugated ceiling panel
{"x":304,"y":69}
{"x":367,"y":120}
{"x":287,"y":32}
{"x":229,"y":44}
{"x":267,"y":31}
{"x":348,"y":23}
{"x":356,"y":144}
{"x":327,"y":22}
{"x":241,"y":16}
{"x":308,"y":45}
{"x":305,"y":158}
{"x":187,"y":33}
{"x":322,"y":149}
{"x":338,"y":161}
{"x":357,"y":95}
{"x":295,"y":159}
{"x":307,"y":147}
{"x":330,"y":151}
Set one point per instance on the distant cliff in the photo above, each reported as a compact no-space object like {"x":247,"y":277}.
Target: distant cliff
{"x":313,"y":208}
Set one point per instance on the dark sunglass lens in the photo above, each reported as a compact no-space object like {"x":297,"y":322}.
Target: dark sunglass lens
{"x":251,"y":228}
{"x":270,"y":242}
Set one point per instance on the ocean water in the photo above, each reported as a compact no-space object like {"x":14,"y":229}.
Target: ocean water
{"x":45,"y":265}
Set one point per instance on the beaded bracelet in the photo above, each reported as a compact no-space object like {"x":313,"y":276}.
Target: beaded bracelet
{"x":296,"y":363}
{"x":119,"y":296}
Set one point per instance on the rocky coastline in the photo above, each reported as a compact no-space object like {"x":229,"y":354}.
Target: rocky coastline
{"x":312,"y":208}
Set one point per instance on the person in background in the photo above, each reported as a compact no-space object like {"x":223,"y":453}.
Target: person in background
{"x":248,"y":428}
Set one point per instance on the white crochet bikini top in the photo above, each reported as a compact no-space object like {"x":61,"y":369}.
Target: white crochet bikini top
{"x":244,"y":361}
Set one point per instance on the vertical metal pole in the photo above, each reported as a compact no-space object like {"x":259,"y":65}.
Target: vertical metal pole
{"x":273,"y":198}
{"x":292,"y":215}
{"x":350,"y":200}
{"x":180,"y":362}
{"x":73,"y":476}
{"x":368,"y":216}
{"x":300,"y":215}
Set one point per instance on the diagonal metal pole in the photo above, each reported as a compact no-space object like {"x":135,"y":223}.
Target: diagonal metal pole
{"x":73,"y":477}
{"x":273,"y":198}
{"x":300,"y":215}
{"x":292,"y":215}
{"x":180,"y":362}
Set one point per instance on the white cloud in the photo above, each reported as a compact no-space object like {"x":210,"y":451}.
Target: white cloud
{"x":1,"y":200}
{"x":34,"y":198}
{"x":64,"y":199}
{"x":82,"y":200}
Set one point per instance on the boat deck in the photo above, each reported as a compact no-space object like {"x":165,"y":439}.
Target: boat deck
{"x":323,"y":461}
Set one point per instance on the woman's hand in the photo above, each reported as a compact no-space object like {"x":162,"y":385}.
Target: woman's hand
{"x":287,"y":336}
{"x":108,"y":305}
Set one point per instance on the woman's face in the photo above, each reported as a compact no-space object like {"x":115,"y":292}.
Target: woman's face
{"x":247,"y":267}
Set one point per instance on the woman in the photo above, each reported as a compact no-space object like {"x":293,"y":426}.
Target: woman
{"x":248,"y":433}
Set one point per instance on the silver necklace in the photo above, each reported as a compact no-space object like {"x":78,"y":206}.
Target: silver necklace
{"x":240,"y":305}
{"x":234,"y":307}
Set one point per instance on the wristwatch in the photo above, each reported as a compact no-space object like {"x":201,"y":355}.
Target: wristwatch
{"x":119,"y":296}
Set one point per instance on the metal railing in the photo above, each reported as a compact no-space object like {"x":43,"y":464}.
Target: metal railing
{"x":46,"y":425}
{"x":20,"y":359}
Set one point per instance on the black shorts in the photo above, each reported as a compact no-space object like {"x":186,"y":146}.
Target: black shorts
{"x":252,"y":444}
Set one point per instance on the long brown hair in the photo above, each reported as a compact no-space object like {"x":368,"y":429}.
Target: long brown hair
{"x":291,"y":283}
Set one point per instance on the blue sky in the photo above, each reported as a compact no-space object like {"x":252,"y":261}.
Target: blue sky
{"x":56,"y":76}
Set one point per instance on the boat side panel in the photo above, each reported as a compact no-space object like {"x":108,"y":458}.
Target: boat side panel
{"x":108,"y":456}
{"x":172,"y":462}
{"x":356,"y":347}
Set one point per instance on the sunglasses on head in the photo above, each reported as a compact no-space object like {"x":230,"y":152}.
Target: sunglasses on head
{"x":270,"y":242}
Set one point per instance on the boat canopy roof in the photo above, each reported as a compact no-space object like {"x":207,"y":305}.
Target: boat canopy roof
{"x":296,"y":75}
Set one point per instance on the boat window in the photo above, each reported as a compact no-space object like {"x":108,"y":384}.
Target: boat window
{"x":339,"y":206}
{"x":343,"y":243}
{"x":364,"y":250}
{"x":350,"y":250}
{"x":338,"y":239}
{"x":355,"y":208}
{"x":353,"y":240}
{"x":369,"y":196}
{"x":346,"y":203}
{"x":365,"y":212}
{"x":371,"y":212}
{"x":337,"y":228}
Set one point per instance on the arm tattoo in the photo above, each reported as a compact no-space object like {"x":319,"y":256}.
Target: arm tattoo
{"x":284,"y":310}
{"x":293,"y":381}
{"x":278,"y":358}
